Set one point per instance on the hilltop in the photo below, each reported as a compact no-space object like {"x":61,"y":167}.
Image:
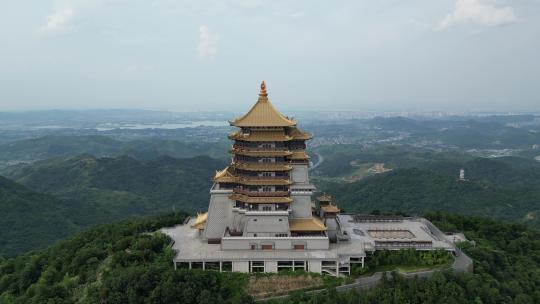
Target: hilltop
{"x":128,"y":262}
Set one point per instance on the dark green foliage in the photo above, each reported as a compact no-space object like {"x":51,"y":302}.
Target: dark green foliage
{"x":338,"y":158}
{"x":89,"y":190}
{"x":415,"y":191}
{"x":30,"y":220}
{"x":125,"y":182}
{"x":120,"y":263}
{"x":507,"y":270}
{"x":407,"y":257}
{"x":54,"y":146}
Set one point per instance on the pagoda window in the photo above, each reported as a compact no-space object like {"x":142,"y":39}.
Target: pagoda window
{"x":282,"y":207}
{"x":267,"y":189}
{"x":267,"y":208}
{"x":267,"y":146}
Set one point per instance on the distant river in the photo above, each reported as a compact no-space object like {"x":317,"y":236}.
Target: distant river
{"x":192,"y":124}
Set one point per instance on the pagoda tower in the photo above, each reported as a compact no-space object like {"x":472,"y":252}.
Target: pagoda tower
{"x":265,"y":191}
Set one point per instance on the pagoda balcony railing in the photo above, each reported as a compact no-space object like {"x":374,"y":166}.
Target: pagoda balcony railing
{"x":247,"y":149}
{"x":261,"y":163}
{"x":256,"y":177}
{"x":261,"y":193}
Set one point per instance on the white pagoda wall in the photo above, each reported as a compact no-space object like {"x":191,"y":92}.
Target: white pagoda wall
{"x":301,"y":205}
{"x":266,"y":225}
{"x":219,"y":214}
{"x":314,"y":266}
{"x":240,"y":266}
{"x":279,"y":243}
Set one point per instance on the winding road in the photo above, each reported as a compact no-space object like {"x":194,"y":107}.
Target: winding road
{"x":462,"y":263}
{"x":320,"y":160}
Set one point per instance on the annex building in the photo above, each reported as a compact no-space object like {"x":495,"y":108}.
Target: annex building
{"x":262,"y":217}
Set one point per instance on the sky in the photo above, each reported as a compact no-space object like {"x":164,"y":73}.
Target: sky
{"x":203,"y":55}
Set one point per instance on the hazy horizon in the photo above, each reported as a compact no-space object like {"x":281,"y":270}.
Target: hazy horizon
{"x":415,"y":56}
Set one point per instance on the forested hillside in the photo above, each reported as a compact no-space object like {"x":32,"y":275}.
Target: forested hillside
{"x":415,"y":191}
{"x":125,"y":262}
{"x":53,"y":146}
{"x":30,"y":220}
{"x":87,"y":190}
{"x":124,"y":184}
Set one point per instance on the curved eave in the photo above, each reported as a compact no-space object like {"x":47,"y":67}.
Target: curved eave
{"x":260,"y":136}
{"x":299,"y":156}
{"x":268,"y":153}
{"x":263,"y":114}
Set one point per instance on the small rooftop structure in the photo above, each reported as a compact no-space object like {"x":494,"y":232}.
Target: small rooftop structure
{"x":310,"y":224}
{"x":200,"y":221}
{"x":325,"y":198}
{"x":330,"y":209}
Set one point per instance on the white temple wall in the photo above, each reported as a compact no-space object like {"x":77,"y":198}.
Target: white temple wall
{"x":244,"y":243}
{"x":301,"y":206}
{"x":300,"y":174}
{"x":314,"y":266}
{"x":266,"y":225}
{"x":240,"y":266}
{"x":219,"y":214}
{"x":270,"y":266}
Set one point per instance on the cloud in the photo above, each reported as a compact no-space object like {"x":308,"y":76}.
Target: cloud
{"x":59,"y":19}
{"x":208,"y":41}
{"x":474,"y":11}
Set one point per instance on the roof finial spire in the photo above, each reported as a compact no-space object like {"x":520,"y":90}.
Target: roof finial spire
{"x":263,"y":89}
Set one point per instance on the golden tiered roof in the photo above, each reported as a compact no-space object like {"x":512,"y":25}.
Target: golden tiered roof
{"x":330,"y":208}
{"x":263,"y":114}
{"x":300,"y":135}
{"x":224,"y":176}
{"x":262,"y":166}
{"x":261,"y":199}
{"x":261,"y":153}
{"x":299,"y":155}
{"x":261,"y":181}
{"x":200,"y":221}
{"x":257,"y":135}
{"x":309,"y":224}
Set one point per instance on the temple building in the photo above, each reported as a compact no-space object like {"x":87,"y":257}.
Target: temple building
{"x":261,"y":217}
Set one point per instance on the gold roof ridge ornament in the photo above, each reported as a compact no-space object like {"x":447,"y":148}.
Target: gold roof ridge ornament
{"x":263,"y":114}
{"x":263,"y":90}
